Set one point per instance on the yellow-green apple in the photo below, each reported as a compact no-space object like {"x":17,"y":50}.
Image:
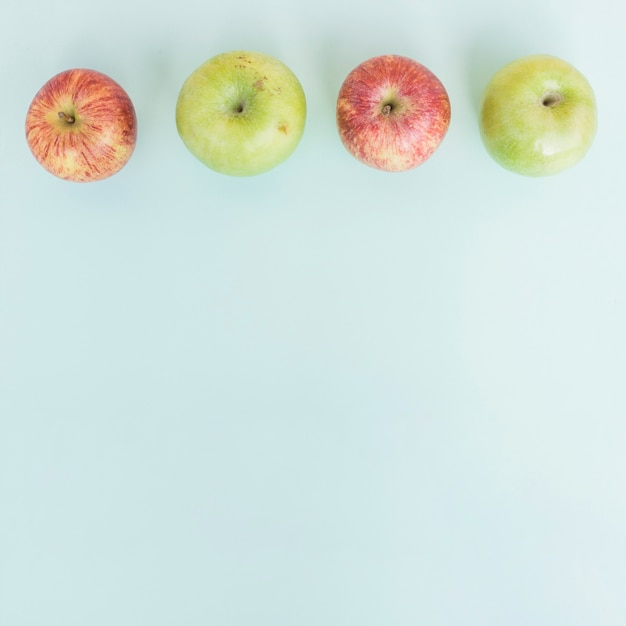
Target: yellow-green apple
{"x":538,"y":115}
{"x":392,"y":113}
{"x":241,"y":113}
{"x":81,"y":126}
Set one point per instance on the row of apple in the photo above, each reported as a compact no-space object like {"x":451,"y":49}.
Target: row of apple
{"x":242,"y":113}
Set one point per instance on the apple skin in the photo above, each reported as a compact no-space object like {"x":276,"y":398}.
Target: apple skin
{"x":392,"y":113}
{"x":81,"y":126}
{"x":241,"y":113}
{"x":538,"y":116}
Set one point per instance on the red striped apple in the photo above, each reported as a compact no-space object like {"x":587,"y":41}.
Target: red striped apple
{"x":81,"y":126}
{"x":392,"y":113}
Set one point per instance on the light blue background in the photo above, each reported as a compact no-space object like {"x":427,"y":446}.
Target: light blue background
{"x":325,"y":395}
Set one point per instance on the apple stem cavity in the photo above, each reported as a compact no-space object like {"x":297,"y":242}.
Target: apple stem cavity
{"x":386,"y":110}
{"x":70,"y":119}
{"x":551,"y":99}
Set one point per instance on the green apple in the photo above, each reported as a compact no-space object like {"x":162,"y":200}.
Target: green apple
{"x":241,"y":113}
{"x":538,"y":116}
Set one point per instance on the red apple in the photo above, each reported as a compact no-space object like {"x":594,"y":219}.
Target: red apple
{"x":392,"y":113}
{"x":81,"y":126}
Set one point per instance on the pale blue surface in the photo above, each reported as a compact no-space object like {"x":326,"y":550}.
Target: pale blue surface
{"x":326,"y":395}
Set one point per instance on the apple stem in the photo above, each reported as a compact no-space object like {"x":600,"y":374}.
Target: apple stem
{"x":70,"y":119}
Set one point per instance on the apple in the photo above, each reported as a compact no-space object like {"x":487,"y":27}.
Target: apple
{"x":538,"y":116}
{"x":81,"y":126}
{"x":392,"y":113}
{"x":241,"y":113}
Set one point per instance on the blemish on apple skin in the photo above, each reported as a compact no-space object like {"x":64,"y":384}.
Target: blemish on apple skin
{"x":282,"y":128}
{"x":259,"y":84}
